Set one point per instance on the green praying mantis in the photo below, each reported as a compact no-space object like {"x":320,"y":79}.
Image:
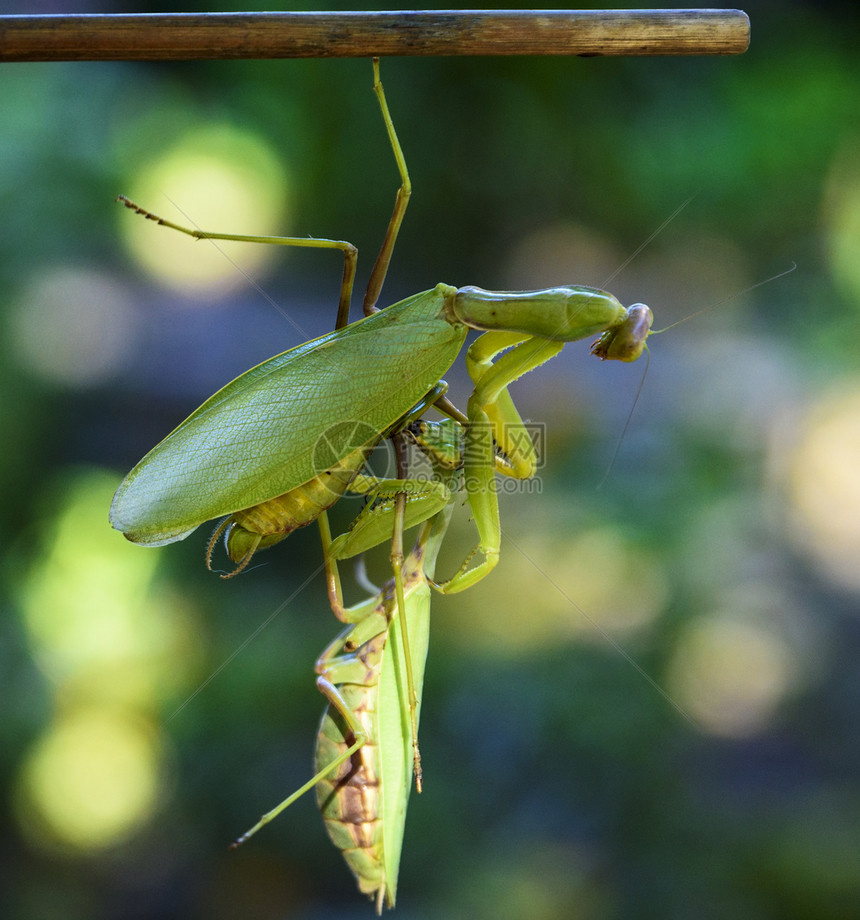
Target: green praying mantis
{"x":280,"y":444}
{"x":274,"y":448}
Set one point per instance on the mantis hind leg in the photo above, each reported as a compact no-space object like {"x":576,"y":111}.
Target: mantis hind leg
{"x":350,"y":253}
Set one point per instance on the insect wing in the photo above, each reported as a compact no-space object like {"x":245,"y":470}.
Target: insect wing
{"x":395,"y":730}
{"x":281,"y":423}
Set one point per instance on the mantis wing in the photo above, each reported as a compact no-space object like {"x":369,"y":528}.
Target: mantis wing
{"x":270,"y":430}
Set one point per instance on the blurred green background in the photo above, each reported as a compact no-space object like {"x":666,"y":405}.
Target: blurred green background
{"x":650,"y":708}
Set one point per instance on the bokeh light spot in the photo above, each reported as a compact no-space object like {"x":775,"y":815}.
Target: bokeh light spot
{"x":73,"y":327}
{"x":824,"y":484}
{"x":554,"y":589}
{"x":97,"y":628}
{"x":843,"y":220}
{"x":114,"y":648}
{"x":91,"y":779}
{"x":729,"y":675}
{"x":218,"y":179}
{"x":559,"y":252}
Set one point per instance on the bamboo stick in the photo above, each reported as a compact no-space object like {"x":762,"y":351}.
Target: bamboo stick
{"x":221,"y":36}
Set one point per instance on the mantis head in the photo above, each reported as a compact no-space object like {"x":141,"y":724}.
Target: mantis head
{"x":626,"y":341}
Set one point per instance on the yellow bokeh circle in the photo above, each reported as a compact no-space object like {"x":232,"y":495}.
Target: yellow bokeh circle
{"x":218,"y":179}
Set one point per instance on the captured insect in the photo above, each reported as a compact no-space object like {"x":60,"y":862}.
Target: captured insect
{"x":364,"y":750}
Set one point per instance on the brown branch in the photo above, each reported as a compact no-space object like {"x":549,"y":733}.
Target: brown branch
{"x":221,"y":36}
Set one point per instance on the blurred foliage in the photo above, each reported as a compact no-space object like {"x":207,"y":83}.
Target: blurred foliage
{"x":649,"y":710}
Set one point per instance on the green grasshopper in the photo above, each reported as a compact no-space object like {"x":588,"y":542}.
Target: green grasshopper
{"x":364,"y":752}
{"x":281,"y":443}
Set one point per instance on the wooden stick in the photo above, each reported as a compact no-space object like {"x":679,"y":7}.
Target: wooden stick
{"x":221,"y":36}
